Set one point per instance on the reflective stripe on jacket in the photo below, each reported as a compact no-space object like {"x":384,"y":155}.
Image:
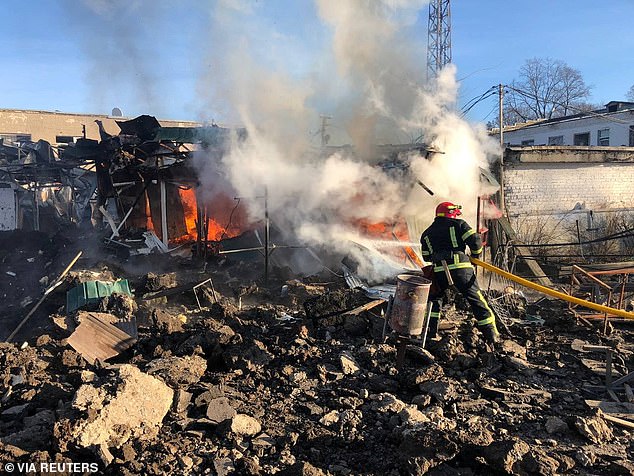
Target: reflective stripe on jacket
{"x":447,"y":239}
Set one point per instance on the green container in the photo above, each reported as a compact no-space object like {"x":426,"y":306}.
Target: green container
{"x":91,"y":292}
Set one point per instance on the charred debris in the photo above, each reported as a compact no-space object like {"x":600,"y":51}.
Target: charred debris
{"x":121,"y":349}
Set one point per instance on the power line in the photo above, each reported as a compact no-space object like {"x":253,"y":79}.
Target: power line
{"x":570,"y":106}
{"x":476,"y":100}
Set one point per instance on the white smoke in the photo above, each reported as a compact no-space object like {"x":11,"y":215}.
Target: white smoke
{"x":380,"y":97}
{"x":368,"y":77}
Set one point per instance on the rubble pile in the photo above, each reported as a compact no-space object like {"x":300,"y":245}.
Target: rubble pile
{"x":264,"y":388}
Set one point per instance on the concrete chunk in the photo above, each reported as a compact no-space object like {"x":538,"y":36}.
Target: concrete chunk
{"x":348,"y":364}
{"x":220,"y":410}
{"x":177,"y":371}
{"x":245,"y":425}
{"x":133,"y":409}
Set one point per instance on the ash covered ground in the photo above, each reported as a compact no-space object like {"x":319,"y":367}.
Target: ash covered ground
{"x":252,"y":385}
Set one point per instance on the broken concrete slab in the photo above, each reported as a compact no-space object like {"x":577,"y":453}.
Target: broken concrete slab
{"x":219,"y":410}
{"x":132,"y":408}
{"x":594,"y":428}
{"x":504,"y":455}
{"x":157,"y":282}
{"x":182,"y":399}
{"x":15,"y":411}
{"x":165,"y":321}
{"x":441,"y":391}
{"x":178,"y":371}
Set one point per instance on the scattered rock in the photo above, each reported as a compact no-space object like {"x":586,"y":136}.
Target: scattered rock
{"x":37,"y":432}
{"x":158,"y":282}
{"x":555,"y":425}
{"x":133,"y":408}
{"x":441,"y":391}
{"x":503,"y":455}
{"x":585,"y":457}
{"x":538,"y":462}
{"x":245,"y":425}
{"x":182,"y":400}
{"x":348,"y":364}
{"x":594,"y":428}
{"x":178,"y":371}
{"x":220,"y":410}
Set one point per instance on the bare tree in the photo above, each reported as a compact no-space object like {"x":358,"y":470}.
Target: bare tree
{"x":545,"y":88}
{"x":630,"y":93}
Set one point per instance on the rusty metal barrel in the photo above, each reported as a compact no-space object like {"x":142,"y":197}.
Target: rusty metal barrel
{"x":410,"y":303}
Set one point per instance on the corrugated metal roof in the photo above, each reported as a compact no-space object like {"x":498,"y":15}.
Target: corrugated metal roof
{"x":91,"y":292}
{"x":98,"y":339}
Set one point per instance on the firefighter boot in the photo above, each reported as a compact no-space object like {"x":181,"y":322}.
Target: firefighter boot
{"x":490,"y":334}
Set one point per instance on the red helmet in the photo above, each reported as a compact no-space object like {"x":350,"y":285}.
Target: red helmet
{"x":449,"y":210}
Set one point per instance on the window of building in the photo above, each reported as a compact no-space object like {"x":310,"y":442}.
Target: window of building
{"x":581,"y":139}
{"x":64,"y":139}
{"x":556,"y":140}
{"x":631,"y":136}
{"x":13,"y":137}
{"x":528,"y":142}
{"x":603,"y":137}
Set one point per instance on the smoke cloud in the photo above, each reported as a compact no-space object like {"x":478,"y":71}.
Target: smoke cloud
{"x":363,"y":66}
{"x":380,"y":98}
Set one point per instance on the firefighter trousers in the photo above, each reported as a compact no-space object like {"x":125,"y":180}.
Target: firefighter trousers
{"x":465,"y":281}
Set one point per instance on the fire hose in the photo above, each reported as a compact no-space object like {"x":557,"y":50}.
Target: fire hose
{"x":552,"y":292}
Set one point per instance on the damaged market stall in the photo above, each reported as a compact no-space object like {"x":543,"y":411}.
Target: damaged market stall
{"x":42,"y":187}
{"x":154,"y":185}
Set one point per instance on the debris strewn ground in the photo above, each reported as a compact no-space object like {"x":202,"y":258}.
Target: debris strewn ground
{"x":248,"y":383}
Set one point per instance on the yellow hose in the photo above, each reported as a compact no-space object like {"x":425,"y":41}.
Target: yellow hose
{"x":552,"y":292}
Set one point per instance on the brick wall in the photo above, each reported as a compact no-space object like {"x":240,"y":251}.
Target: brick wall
{"x":535,"y":189}
{"x":549,"y":202}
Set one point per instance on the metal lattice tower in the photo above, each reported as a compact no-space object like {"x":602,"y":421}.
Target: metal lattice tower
{"x":438,"y":36}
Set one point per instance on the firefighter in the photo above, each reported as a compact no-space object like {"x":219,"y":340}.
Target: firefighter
{"x":445,"y":241}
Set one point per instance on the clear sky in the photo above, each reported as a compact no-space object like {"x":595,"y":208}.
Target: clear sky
{"x":147,"y":56}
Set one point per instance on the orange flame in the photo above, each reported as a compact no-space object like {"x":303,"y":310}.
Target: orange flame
{"x":222,"y":213}
{"x":391,"y":232}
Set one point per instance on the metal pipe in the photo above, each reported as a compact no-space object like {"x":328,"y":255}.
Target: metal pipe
{"x":552,"y":292}
{"x":426,"y":326}
{"x":57,"y":282}
{"x":261,"y":248}
{"x":163,"y":212}
{"x":579,"y":239}
{"x":591,"y":277}
{"x":127,"y":215}
{"x":501,"y":113}
{"x":267,"y":230}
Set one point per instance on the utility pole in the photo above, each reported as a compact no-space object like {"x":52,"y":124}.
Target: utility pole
{"x":267,"y":235}
{"x":438,"y":37}
{"x":501,"y":96}
{"x":324,"y":123}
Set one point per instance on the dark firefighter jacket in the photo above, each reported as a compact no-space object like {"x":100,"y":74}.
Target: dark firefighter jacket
{"x":447,"y":239}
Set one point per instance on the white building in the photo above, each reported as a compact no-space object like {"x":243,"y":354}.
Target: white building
{"x":612,"y":126}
